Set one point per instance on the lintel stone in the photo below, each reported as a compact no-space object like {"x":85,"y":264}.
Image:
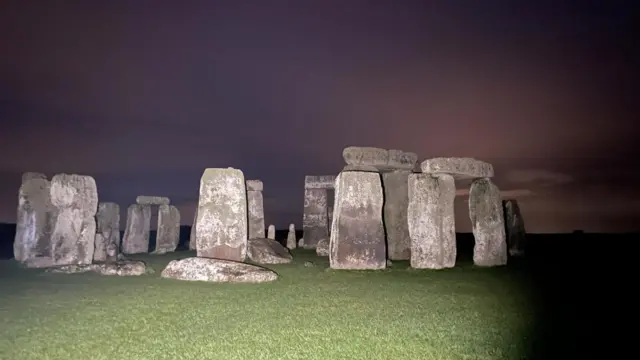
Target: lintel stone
{"x":152,"y":200}
{"x":459,"y":168}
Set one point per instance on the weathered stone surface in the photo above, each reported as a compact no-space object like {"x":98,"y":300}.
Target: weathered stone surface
{"x":255,"y":202}
{"x":487,"y":222}
{"x":395,"y":214}
{"x":323,"y":247}
{"x":192,"y":235}
{"x":381,"y":159}
{"x":107,"y":230}
{"x":514,"y":228}
{"x":221,"y":228}
{"x":136,"y":234}
{"x":216,"y":270}
{"x":431,"y":221}
{"x":319,"y":182}
{"x":76,"y":200}
{"x":460,"y":168}
{"x":271,"y":232}
{"x":267,"y":251}
{"x":254,"y":185}
{"x":357,"y":236}
{"x":152,"y":200}
{"x":315,"y":220}
{"x":120,"y":268}
{"x":35,"y":218}
{"x":329,"y":217}
{"x":168,"y":234}
{"x":291,"y":237}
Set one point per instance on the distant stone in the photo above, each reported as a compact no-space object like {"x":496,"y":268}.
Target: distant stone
{"x":271,"y":232}
{"x":120,"y":268}
{"x":323,"y":247}
{"x":459,"y":168}
{"x":35,"y":218}
{"x":152,"y":200}
{"x":301,"y":242}
{"x":255,"y":203}
{"x":514,"y":227}
{"x":136,"y":233}
{"x":315,"y":223}
{"x":487,"y":223}
{"x":319,"y":182}
{"x":216,"y":270}
{"x":107,"y":230}
{"x":362,"y":158}
{"x":168,"y":234}
{"x":291,"y":237}
{"x":267,"y":251}
{"x":395,"y":214}
{"x":254,"y":185}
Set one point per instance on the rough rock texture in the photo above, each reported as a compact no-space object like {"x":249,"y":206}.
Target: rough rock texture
{"x":380,"y":159}
{"x":319,"y":182}
{"x":35,"y":218}
{"x":487,"y":222}
{"x":192,"y":235}
{"x":168,"y":234}
{"x":514,"y":228}
{"x":323,"y":247}
{"x":216,"y":270}
{"x":255,"y":203}
{"x":136,"y":234}
{"x":152,"y":200}
{"x":291,"y":237}
{"x":271,"y":232}
{"x":120,"y":268}
{"x":431,"y":221}
{"x":221,"y":228}
{"x":329,"y":217}
{"x":107,"y":230}
{"x":73,"y":237}
{"x":267,"y":251}
{"x":315,"y":223}
{"x":396,"y":200}
{"x":357,"y":236}
{"x":460,"y":168}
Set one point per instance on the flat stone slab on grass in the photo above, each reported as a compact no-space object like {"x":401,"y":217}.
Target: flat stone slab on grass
{"x":216,"y":270}
{"x":381,"y":159}
{"x":460,"y":168}
{"x":267,"y":251}
{"x":120,"y":268}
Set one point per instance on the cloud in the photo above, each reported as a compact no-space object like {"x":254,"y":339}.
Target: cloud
{"x":505,"y":194}
{"x":539,"y":177}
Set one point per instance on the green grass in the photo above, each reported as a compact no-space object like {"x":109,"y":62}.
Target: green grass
{"x":308,"y":313}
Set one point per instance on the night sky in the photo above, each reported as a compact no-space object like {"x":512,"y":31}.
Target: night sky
{"x":144,"y":95}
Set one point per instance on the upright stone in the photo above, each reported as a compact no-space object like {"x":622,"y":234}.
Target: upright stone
{"x":168,"y":229}
{"x":395,"y":214}
{"x":315,"y":224}
{"x":221,"y":228}
{"x":136,"y":233}
{"x":431,"y":221}
{"x":34,"y":218}
{"x":291,"y":237}
{"x":107,"y":230}
{"x":76,"y":200}
{"x":192,"y":235}
{"x":516,"y":234}
{"x":271,"y":232}
{"x":487,"y":221}
{"x":357,"y":234}
{"x":256,"y":209}
{"x":330,"y":217}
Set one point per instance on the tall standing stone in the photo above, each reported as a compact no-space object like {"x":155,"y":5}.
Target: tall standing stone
{"x":136,"y":233}
{"x":291,"y":237}
{"x":168,"y":229}
{"x":107,"y":230}
{"x":34,"y":218}
{"x":487,"y":221}
{"x":255,"y":203}
{"x":221,"y":228}
{"x":431,"y":221}
{"x":357,"y":234}
{"x":395,"y":214}
{"x":192,"y":235}
{"x":271,"y":232}
{"x":315,"y":224}
{"x":514,"y":227}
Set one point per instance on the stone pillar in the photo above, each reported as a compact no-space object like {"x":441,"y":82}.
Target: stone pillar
{"x":256,"y":209}
{"x":330,"y":217}
{"x":168,"y":229}
{"x":395,"y":214}
{"x":34,"y":218}
{"x":192,"y":235}
{"x":431,"y":221}
{"x":357,"y":236}
{"x":107,"y":230}
{"x":315,"y":222}
{"x":271,"y":232}
{"x":291,"y":237}
{"x":487,"y":221}
{"x":136,"y":233}
{"x":221,"y":228}
{"x":514,"y":228}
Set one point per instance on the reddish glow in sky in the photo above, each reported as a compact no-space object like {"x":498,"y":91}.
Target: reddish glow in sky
{"x":143,"y":95}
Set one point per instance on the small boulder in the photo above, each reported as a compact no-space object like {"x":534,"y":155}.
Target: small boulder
{"x":216,"y":270}
{"x":323,"y":247}
{"x":267,"y":251}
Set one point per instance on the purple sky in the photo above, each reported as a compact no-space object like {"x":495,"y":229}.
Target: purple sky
{"x":144,"y":95}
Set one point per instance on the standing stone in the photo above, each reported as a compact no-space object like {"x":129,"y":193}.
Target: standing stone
{"x":487,"y":221}
{"x":271,"y":232}
{"x":395,"y":214}
{"x":107,"y":230}
{"x":192,"y":235}
{"x":168,"y":229}
{"x":357,"y":235}
{"x":516,"y":234}
{"x":315,"y":222}
{"x":256,"y":209}
{"x":330,"y":217}
{"x":76,"y":200}
{"x":136,"y":233}
{"x":34,"y":218}
{"x":291,"y":237}
{"x":221,"y":228}
{"x":431,"y":221}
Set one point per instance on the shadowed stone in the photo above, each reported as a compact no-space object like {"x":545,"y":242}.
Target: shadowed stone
{"x":487,"y":221}
{"x":315,"y":221}
{"x":460,"y":168}
{"x":395,"y":214}
{"x":357,"y":234}
{"x":136,"y":233}
{"x":291,"y":237}
{"x":256,"y":209}
{"x":216,"y":270}
{"x":168,"y":234}
{"x":108,"y":231}
{"x":431,"y":221}
{"x":267,"y":251}
{"x":365,"y":158}
{"x":221,"y":228}
{"x":152,"y":200}
{"x":514,"y":227}
{"x":329,"y":217}
{"x":271,"y":232}
{"x":192,"y":235}
{"x":35,"y":218}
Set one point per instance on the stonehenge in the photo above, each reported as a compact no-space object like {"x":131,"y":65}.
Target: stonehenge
{"x":138,"y":227}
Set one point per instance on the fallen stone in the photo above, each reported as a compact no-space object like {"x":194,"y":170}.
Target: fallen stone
{"x":514,"y":227}
{"x":487,"y":223}
{"x":459,"y":168}
{"x":120,"y":268}
{"x":319,"y":182}
{"x":152,"y":200}
{"x":323,"y":247}
{"x":363,"y":158}
{"x":216,"y":270}
{"x":267,"y":251}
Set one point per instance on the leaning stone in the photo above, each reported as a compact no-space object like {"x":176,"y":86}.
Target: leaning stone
{"x":107,"y":229}
{"x":152,"y":200}
{"x":514,"y":227}
{"x":319,"y":182}
{"x":254,"y":185}
{"x":315,"y":223}
{"x":267,"y":251}
{"x":323,"y":247}
{"x":121,"y":268}
{"x":271,"y":232}
{"x":395,"y":214}
{"x":221,"y":228}
{"x":216,"y":270}
{"x":357,"y":240}
{"x":168,"y":234}
{"x":460,"y":168}
{"x":35,"y":218}
{"x":431,"y":221}
{"x":291,"y":237}
{"x":487,"y":222}
{"x":255,"y":203}
{"x":136,"y":233}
